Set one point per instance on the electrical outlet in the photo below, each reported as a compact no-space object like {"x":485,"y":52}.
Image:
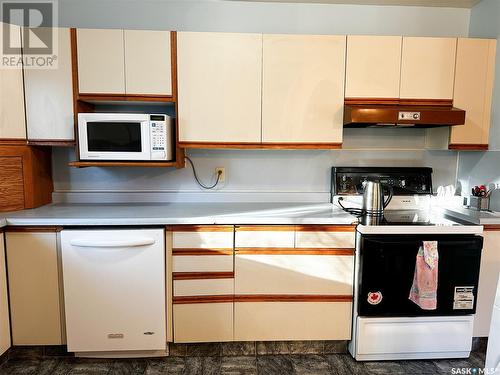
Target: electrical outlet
{"x":222,"y":172}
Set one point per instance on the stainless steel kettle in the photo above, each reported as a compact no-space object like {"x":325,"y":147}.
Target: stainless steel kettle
{"x":373,"y":198}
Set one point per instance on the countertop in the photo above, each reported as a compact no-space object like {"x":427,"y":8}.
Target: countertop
{"x":178,"y":213}
{"x":201,"y":213}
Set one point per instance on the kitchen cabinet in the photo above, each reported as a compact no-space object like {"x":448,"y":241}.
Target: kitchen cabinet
{"x":303,"y":88}
{"x":25,"y":177}
{"x":428,"y":68}
{"x":114,"y":290}
{"x":12,"y":122}
{"x":4,"y":301}
{"x":130,"y":62}
{"x":306,"y":274}
{"x":101,"y":63}
{"x":474,"y":78}
{"x":203,"y":283}
{"x":34,"y":289}
{"x":49,"y":97}
{"x":219,"y":88}
{"x":373,"y":67}
{"x":488,"y":278}
{"x":148,"y":67}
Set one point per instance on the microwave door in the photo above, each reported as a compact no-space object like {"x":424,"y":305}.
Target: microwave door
{"x":116,"y":140}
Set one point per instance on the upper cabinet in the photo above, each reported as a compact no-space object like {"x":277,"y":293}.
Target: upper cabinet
{"x":148,"y":62}
{"x":12,"y":123}
{"x":219,"y":79}
{"x":101,"y":63}
{"x":373,"y":67}
{"x":428,"y":68}
{"x":474,"y":78}
{"x":49,"y":97}
{"x":124,"y":62}
{"x":303,"y":88}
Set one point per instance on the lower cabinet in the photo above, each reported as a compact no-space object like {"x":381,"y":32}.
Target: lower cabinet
{"x":277,"y":321}
{"x":203,"y":283}
{"x":33,"y":273}
{"x":488,"y":279}
{"x":287,"y":283}
{"x":4,"y":302}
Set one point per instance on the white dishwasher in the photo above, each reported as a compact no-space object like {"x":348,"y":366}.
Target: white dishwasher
{"x":114,"y":292}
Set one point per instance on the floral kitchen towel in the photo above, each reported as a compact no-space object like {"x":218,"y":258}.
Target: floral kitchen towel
{"x":425,"y":279}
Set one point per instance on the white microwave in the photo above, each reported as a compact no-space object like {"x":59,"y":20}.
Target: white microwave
{"x":125,"y":136}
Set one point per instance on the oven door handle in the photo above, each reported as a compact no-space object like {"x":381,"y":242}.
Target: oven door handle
{"x":132,"y":242}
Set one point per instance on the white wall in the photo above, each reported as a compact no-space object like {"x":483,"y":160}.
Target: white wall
{"x":476,"y":168}
{"x":258,"y":175}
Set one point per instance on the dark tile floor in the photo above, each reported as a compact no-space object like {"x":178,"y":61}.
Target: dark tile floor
{"x":219,"y":361}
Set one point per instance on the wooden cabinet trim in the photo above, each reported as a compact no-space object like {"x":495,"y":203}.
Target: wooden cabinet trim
{"x":200,"y":228}
{"x":264,"y":228}
{"x":468,"y":147}
{"x":291,"y":298}
{"x":294,"y":251}
{"x":33,"y":229}
{"x":325,"y":228}
{"x":382,"y":101}
{"x":491,"y":227}
{"x":51,"y":142}
{"x":13,"y":142}
{"x":202,"y":251}
{"x":398,"y":101}
{"x":202,"y":275}
{"x":203,"y":299}
{"x":265,"y":145}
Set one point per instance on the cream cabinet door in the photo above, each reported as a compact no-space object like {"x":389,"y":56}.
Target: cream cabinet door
{"x":12,"y":122}
{"x":488,"y":279}
{"x":4,"y":302}
{"x":428,"y":68}
{"x":49,"y":96}
{"x":219,"y":87}
{"x":303,"y":88}
{"x":32,"y":264}
{"x":373,"y":67}
{"x":148,"y":67}
{"x":101,"y":62}
{"x":474,"y":78}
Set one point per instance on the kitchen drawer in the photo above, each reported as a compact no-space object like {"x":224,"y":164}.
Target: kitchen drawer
{"x":203,"y":322}
{"x":342,"y":237}
{"x":202,"y":263}
{"x":264,"y":236}
{"x":294,"y":273}
{"x":203,"y":287}
{"x":270,"y":321}
{"x":203,"y":237}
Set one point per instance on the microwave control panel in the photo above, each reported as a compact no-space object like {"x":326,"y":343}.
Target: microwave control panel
{"x":159,"y":137}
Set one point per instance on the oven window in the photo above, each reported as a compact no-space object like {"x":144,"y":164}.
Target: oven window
{"x":114,"y":136}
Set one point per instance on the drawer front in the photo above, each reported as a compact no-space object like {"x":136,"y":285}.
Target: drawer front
{"x":203,"y":322}
{"x":294,"y":274}
{"x":277,"y":321}
{"x":264,"y":236}
{"x":203,"y":240}
{"x":202,"y":263}
{"x":325,"y":239}
{"x":203,"y":287}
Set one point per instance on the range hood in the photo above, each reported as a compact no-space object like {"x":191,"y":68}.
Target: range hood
{"x":398,"y":115}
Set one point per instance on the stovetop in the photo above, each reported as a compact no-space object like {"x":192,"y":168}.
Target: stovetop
{"x":410,"y":217}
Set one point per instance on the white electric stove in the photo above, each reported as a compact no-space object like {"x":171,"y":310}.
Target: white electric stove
{"x":391,"y":326}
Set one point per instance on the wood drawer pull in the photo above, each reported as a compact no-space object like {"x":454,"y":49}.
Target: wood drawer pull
{"x":202,"y":275}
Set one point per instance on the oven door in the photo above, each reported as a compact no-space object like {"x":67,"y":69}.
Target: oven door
{"x":106,"y":136}
{"x":387,"y":266}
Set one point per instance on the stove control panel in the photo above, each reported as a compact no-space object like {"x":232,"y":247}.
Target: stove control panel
{"x":404,"y":181}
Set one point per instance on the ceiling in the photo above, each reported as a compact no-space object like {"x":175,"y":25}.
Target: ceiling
{"x":427,"y":3}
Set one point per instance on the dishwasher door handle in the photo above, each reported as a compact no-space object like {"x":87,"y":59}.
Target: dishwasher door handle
{"x":129,"y":242}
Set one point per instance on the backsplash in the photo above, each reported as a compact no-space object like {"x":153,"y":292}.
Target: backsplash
{"x":251,"y":175}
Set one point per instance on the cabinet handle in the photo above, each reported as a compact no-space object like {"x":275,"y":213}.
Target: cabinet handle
{"x":134,"y":242}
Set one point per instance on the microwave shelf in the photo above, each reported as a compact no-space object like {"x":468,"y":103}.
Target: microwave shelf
{"x":158,"y":164}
